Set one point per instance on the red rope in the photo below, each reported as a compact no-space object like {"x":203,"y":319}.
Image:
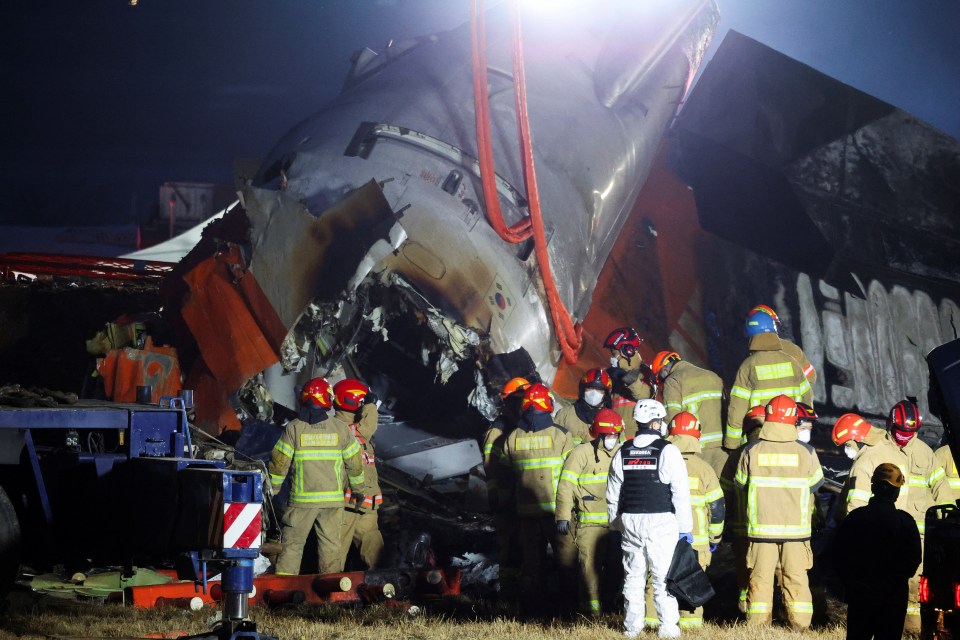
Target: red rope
{"x":569,"y":335}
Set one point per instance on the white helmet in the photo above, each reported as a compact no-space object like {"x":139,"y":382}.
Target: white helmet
{"x":648,"y":410}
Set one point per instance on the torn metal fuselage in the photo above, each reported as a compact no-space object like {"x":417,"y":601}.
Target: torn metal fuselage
{"x":370,"y":214}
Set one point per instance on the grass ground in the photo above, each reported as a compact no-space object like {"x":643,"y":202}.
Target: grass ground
{"x":29,"y":616}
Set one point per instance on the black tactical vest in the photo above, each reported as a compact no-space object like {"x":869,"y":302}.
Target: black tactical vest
{"x":642,"y":491}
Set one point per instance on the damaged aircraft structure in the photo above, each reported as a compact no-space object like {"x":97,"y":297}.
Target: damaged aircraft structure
{"x":368,"y":245}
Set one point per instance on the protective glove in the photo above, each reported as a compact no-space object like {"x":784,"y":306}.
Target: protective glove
{"x":371,"y":398}
{"x":357,"y":498}
{"x":713,"y":547}
{"x":563,"y":527}
{"x":687,"y":536}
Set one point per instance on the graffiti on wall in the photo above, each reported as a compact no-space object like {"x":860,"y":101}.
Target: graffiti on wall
{"x":875,"y":347}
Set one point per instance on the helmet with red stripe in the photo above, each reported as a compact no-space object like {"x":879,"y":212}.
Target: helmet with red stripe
{"x":904,"y":416}
{"x":624,"y":340}
{"x":782,"y":409}
{"x":597,"y":379}
{"x":348,"y":394}
{"x":685,"y":424}
{"x":538,"y":398}
{"x":849,"y":427}
{"x":606,"y":422}
{"x":317,"y":392}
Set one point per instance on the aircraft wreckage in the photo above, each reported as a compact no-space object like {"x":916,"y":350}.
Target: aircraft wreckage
{"x":399,"y":236}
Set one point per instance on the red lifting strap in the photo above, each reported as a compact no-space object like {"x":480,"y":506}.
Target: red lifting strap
{"x":569,"y":334}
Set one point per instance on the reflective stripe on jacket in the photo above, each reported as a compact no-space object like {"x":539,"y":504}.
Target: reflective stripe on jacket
{"x":780,"y":476}
{"x":765,"y":373}
{"x":700,"y":392}
{"x":583,"y":484}
{"x":945,"y":459}
{"x":927,"y":481}
{"x":364,"y":431}
{"x":536,"y":458}
{"x":877,"y":448}
{"x":705,"y":494}
{"x":323,"y":456}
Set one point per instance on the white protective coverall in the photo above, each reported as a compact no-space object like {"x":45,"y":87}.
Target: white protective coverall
{"x":649,"y":539}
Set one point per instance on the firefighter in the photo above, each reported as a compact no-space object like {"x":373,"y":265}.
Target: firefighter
{"x":500,"y":485}
{"x":535,"y":451}
{"x":926,"y":484}
{"x":357,"y":407}
{"x":767,"y":372}
{"x":687,"y":387}
{"x":945,"y":459}
{"x":594,"y":395}
{"x":868,"y":446}
{"x":735,"y":502}
{"x":790,"y":348}
{"x":581,"y":494}
{"x":648,"y":499}
{"x":706,"y":503}
{"x":879,"y":546}
{"x":781,"y":477}
{"x":320,"y":449}
{"x":632,"y":380}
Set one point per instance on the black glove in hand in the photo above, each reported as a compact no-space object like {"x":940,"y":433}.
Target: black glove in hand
{"x":563,"y":527}
{"x":371,"y":398}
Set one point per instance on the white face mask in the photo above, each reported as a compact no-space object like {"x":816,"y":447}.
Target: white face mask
{"x":593,"y":397}
{"x":609,"y":442}
{"x":851,"y":450}
{"x":803,"y":436}
{"x":614,"y":361}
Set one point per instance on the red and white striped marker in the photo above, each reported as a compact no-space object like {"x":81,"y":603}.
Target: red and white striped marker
{"x":241,"y":525}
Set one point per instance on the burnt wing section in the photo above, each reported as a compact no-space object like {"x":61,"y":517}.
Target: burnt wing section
{"x":813,"y":173}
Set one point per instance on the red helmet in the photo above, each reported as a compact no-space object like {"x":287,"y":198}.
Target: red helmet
{"x":806,"y":412}
{"x":753,"y":418}
{"x":625,"y":340}
{"x":606,"y":422}
{"x":685,"y":424}
{"x":782,"y":409}
{"x":596,"y":378}
{"x":318,"y":393}
{"x":514,"y":385}
{"x":349,"y":394}
{"x":538,"y":398}
{"x":849,"y":427}
{"x":904,"y":416}
{"x":663,"y":359}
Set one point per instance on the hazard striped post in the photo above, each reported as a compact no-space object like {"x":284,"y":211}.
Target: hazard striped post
{"x":241,"y":525}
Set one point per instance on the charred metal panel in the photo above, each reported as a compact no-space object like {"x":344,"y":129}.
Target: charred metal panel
{"x":815,"y":174}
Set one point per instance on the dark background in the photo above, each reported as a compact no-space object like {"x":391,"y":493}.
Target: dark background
{"x":103,"y":101}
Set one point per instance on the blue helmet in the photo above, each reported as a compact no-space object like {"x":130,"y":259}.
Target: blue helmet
{"x":759,"y":322}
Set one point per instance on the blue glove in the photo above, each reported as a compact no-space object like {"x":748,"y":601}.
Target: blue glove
{"x":713,"y":547}
{"x":563,"y":527}
{"x":687,"y":536}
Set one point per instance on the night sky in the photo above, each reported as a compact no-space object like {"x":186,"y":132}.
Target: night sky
{"x":104,"y":101}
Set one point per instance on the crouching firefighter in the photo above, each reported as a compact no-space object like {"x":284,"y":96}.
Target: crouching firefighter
{"x":357,"y":407}
{"x":318,"y":448}
{"x":583,"y":492}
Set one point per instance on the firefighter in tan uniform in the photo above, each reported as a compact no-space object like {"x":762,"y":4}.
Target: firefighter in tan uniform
{"x":356,"y":406}
{"x":536,"y":451}
{"x":577,"y":418}
{"x":780,"y":476}
{"x":632,"y":380}
{"x":926,"y":486}
{"x":706,"y":504}
{"x":500,"y":493}
{"x":735,"y":501}
{"x":791,"y":349}
{"x":321,"y":450}
{"x":767,"y":372}
{"x":581,"y":495}
{"x":687,"y":387}
{"x":868,"y":446}
{"x":945,"y":459}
